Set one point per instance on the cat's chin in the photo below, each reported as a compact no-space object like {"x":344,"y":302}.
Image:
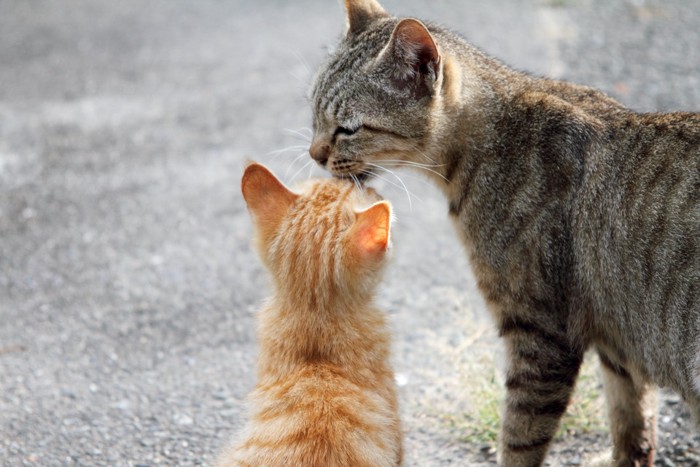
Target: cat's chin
{"x":360,"y":177}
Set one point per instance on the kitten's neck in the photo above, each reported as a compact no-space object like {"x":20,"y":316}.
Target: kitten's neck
{"x":292,"y":336}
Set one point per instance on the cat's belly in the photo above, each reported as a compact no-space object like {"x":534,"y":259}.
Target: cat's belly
{"x":656,"y":339}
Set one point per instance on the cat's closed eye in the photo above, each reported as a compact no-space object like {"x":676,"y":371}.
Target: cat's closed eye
{"x":341,"y":130}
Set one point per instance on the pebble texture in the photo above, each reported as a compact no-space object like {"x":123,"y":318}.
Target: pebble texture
{"x":127,"y":283}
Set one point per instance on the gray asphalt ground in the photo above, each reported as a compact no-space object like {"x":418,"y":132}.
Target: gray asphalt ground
{"x":127,"y":283}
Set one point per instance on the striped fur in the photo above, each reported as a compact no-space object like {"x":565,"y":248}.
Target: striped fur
{"x":325,"y":394}
{"x":581,"y":218}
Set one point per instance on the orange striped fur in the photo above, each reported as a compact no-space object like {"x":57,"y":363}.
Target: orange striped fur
{"x":325,"y":394}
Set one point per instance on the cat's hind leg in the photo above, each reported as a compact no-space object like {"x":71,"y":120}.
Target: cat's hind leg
{"x":694,"y":401}
{"x":540,"y":379}
{"x":632,"y":412}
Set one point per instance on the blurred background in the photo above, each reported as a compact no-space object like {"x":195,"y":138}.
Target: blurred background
{"x":127,"y":283}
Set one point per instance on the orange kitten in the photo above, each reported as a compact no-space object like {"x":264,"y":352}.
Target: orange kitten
{"x":325,"y":394}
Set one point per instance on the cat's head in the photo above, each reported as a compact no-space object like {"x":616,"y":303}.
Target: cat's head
{"x":375,"y":98}
{"x":328,"y":241}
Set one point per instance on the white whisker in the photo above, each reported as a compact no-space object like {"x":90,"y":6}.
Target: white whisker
{"x":403,"y":185}
{"x":301,"y":135}
{"x":302,"y":168}
{"x":357,"y":182}
{"x":421,"y":153}
{"x":303,"y":61}
{"x":414,"y":165}
{"x":287,"y":149}
{"x":419,"y":179}
{"x":428,"y":158}
{"x":293,"y":162}
{"x":279,"y":152}
{"x":303,"y":77}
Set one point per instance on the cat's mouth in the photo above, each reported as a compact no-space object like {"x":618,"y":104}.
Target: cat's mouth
{"x":351,"y":171}
{"x":359,"y":177}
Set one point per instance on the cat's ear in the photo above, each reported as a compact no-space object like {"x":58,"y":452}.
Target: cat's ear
{"x":267,"y":198}
{"x":361,"y":13}
{"x":414,"y":58}
{"x":370,"y":233}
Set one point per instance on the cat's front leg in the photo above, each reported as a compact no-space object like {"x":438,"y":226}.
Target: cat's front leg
{"x":542,"y":369}
{"x":632,"y":411}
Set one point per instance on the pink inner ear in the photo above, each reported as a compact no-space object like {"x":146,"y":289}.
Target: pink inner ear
{"x":416,"y":40}
{"x":372,"y":234}
{"x":267,"y":198}
{"x":261,"y":188}
{"x":373,"y":239}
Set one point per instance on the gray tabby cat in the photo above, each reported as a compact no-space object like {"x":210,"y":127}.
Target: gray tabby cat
{"x":581,"y":218}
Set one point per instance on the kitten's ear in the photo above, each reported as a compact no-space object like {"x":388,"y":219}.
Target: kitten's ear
{"x":414,"y":56}
{"x":361,"y":13}
{"x":267,"y":198}
{"x":370,"y":234}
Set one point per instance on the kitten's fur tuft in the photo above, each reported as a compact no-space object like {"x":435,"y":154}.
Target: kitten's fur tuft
{"x":581,"y":218}
{"x":325,"y":394}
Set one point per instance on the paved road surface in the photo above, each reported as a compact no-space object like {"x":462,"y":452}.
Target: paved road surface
{"x":127,"y":285}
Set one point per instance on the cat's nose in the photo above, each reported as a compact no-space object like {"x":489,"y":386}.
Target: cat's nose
{"x":319,"y":152}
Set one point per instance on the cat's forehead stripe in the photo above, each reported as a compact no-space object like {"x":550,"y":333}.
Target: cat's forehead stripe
{"x":329,"y":93}
{"x":341,"y":61}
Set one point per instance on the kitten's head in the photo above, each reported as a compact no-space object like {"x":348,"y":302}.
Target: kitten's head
{"x":324,"y":244}
{"x":372,"y":101}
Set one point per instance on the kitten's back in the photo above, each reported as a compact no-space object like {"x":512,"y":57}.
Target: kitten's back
{"x":318,"y":417}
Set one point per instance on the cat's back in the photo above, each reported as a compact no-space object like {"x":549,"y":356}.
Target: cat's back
{"x":318,"y":415}
{"x":637,"y":227}
{"x":642,"y":180}
{"x":634,"y":207}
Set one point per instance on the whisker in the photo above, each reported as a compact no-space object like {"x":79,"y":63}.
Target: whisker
{"x":419,"y":166}
{"x":311,"y":169}
{"x":303,"y":61}
{"x":302,"y":168}
{"x":415,"y":149}
{"x":294,"y":161}
{"x":287,"y":149}
{"x":279,"y":152}
{"x":303,"y":77}
{"x":357,"y":182}
{"x":419,"y":179}
{"x":408,"y":194}
{"x":298,"y":133}
{"x":421,"y":153}
{"x":403,"y":185}
{"x":413,"y":163}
